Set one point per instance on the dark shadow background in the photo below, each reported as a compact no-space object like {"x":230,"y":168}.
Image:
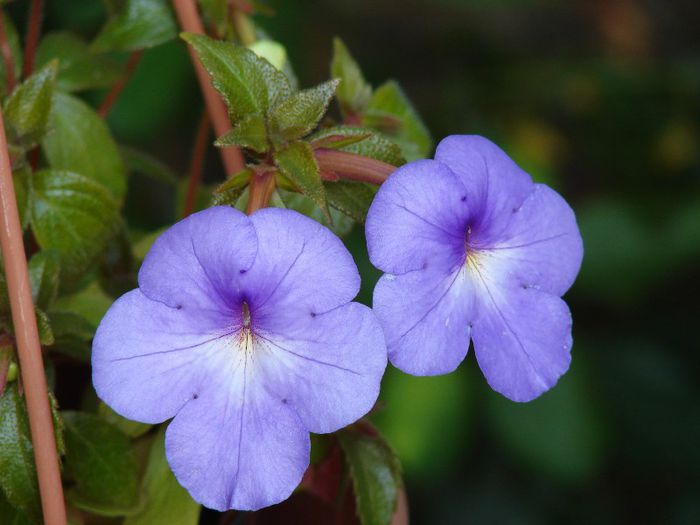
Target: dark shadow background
{"x":601,"y":100}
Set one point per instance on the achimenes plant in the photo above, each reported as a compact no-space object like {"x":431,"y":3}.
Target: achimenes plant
{"x":238,"y":365}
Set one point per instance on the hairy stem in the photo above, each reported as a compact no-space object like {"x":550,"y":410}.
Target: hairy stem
{"x":262,"y":185}
{"x":28,"y":346}
{"x":197,"y":165}
{"x":190,"y":21}
{"x":353,"y":167}
{"x":111,"y":97}
{"x":7,"y":59}
{"x":36,"y":10}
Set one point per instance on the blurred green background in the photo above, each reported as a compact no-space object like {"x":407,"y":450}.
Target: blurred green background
{"x":601,"y":100}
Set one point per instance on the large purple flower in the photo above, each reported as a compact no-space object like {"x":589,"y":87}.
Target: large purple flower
{"x":243,"y":331}
{"x":472,"y":248}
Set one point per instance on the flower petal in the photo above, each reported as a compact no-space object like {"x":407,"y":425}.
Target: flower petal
{"x":300,"y":266}
{"x":419,"y":214}
{"x":197,"y":262}
{"x":327,"y":367}
{"x":542,"y":246}
{"x":147,"y":357}
{"x":496,"y":185}
{"x":522,"y":339}
{"x":426,"y":316}
{"x":236,"y":447}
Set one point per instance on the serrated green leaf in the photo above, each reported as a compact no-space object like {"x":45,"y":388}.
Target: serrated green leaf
{"x":78,"y":67}
{"x":391,"y":112}
{"x":351,"y":198}
{"x":300,"y":113}
{"x":100,"y":459}
{"x":248,"y":132}
{"x":13,"y":43}
{"x":145,"y":164}
{"x":44,"y":272}
{"x":17,"y":473}
{"x":376,"y":475}
{"x":27,"y":110}
{"x":372,"y":145}
{"x":297,"y":163}
{"x":73,"y":215}
{"x":46,"y":337}
{"x":228,"y":193}
{"x":137,"y":24}
{"x":167,"y":503}
{"x":248,"y":83}
{"x":340,"y":224}
{"x":58,"y":426}
{"x":354,"y":92}
{"x":79,"y":141}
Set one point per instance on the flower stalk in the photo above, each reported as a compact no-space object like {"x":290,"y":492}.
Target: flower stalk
{"x":352,"y":166}
{"x":197,"y":165}
{"x":262,"y":185}
{"x":28,"y":346}
{"x":36,"y":10}
{"x":190,"y":21}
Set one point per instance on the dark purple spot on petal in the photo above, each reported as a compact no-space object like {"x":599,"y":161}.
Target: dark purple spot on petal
{"x":464,"y":198}
{"x":195,"y":396}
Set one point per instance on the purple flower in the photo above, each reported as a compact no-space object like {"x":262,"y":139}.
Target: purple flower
{"x":472,"y":248}
{"x":243,"y":331}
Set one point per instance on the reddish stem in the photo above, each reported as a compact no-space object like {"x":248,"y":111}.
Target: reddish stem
{"x":111,"y":97}
{"x":190,"y":21}
{"x":28,"y":346}
{"x":197,"y":165}
{"x":352,"y":166}
{"x":33,"y":29}
{"x":7,"y":58}
{"x":262,"y":185}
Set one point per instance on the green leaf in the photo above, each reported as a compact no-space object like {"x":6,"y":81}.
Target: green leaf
{"x":15,"y":47}
{"x":72,"y":333}
{"x":138,"y":24}
{"x":145,"y":164}
{"x":131,"y":428}
{"x":79,"y":141}
{"x":228,"y":193}
{"x":390,"y":112}
{"x":339,"y":224}
{"x":274,"y":52}
{"x":354,"y":92}
{"x":297,"y":163}
{"x":74,"y":215}
{"x":91,"y":303}
{"x":167,"y":503}
{"x":21,"y":177}
{"x":101,"y":461}
{"x":17,"y":473}
{"x":300,"y":113}
{"x":376,"y":475}
{"x":368,"y":144}
{"x":44,"y":272}
{"x":78,"y":67}
{"x":351,"y":198}
{"x":248,"y":132}
{"x":248,"y":83}
{"x":58,"y":426}
{"x":11,"y":515}
{"x":46,"y":337}
{"x":27,"y":110}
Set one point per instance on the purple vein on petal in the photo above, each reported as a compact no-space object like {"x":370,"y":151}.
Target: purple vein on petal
{"x":311,"y":359}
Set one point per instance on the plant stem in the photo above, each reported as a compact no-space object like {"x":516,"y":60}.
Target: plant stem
{"x":120,"y":84}
{"x":190,"y":21}
{"x":260,"y":191}
{"x":28,"y":346}
{"x":7,"y":59}
{"x":197,"y":165}
{"x":33,"y":29}
{"x":353,"y":167}
{"x":245,"y":31}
